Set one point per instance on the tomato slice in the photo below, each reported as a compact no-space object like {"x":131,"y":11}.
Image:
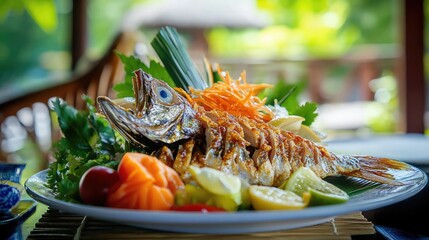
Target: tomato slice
{"x":197,"y":207}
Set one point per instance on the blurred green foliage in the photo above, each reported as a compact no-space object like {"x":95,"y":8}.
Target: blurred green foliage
{"x":315,"y":28}
{"x":383,"y":111}
{"x":324,"y":29}
{"x":35,"y":36}
{"x":104,"y":21}
{"x":25,"y":26}
{"x":311,"y":28}
{"x":43,"y":12}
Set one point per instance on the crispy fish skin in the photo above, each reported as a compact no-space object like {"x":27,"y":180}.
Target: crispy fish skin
{"x":262,"y":154}
{"x":257,"y":152}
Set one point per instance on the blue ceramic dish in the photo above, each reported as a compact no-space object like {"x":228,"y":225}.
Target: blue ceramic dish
{"x":10,"y":188}
{"x":10,"y":194}
{"x":11,"y":171}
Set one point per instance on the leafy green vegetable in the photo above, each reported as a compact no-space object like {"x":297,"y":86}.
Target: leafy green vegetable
{"x":174,"y":56}
{"x":286,"y":96}
{"x":282,"y":88}
{"x":352,"y":186}
{"x":88,"y":141}
{"x":307,"y":111}
{"x":216,"y":77}
{"x":131,"y":64}
{"x":290,"y":100}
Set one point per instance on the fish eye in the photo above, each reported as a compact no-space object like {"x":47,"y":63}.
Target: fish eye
{"x":164,"y":94}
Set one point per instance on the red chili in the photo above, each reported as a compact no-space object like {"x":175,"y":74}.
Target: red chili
{"x":197,"y":207}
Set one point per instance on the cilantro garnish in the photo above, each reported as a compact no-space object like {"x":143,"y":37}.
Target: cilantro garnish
{"x":288,"y":94}
{"x":307,"y":111}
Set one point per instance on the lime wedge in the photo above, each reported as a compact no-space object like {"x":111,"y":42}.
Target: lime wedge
{"x":328,"y":195}
{"x":300,"y":180}
{"x":215,"y":181}
{"x":322,"y":192}
{"x":271,"y":198}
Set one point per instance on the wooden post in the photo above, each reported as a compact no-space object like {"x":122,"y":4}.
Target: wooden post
{"x":79,"y":31}
{"x":316,"y":74}
{"x":412,"y":80}
{"x":367,"y":72}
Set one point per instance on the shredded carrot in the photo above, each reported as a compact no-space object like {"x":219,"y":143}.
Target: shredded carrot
{"x":236,"y":97}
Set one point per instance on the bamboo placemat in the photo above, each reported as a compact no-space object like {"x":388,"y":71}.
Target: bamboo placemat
{"x":60,"y":225}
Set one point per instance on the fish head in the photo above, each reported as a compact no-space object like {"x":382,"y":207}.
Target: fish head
{"x":158,"y":115}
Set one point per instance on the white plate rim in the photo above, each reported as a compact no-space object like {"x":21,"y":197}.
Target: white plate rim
{"x":170,"y":220}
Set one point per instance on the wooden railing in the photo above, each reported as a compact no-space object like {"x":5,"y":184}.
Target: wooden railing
{"x":351,"y":85}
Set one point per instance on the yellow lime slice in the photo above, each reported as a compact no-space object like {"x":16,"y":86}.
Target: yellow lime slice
{"x":289,"y":123}
{"x":215,"y":181}
{"x":271,"y":198}
{"x":308,"y":133}
{"x":322,"y":192}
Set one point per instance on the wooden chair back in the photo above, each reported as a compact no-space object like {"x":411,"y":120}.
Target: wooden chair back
{"x":28,"y":117}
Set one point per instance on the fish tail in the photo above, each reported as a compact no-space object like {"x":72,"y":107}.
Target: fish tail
{"x":382,"y":170}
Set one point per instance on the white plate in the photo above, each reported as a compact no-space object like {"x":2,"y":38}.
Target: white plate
{"x":234,"y":222}
{"x":409,"y":148}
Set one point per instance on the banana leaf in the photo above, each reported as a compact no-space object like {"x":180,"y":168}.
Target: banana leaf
{"x":352,"y":186}
{"x":173,"y":54}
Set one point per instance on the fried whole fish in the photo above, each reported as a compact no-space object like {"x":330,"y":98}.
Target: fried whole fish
{"x":182,"y":135}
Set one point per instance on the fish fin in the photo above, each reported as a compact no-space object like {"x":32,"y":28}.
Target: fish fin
{"x":382,"y":170}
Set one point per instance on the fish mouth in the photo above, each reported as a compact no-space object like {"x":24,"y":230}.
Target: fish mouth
{"x":142,"y":90}
{"x":124,"y":121}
